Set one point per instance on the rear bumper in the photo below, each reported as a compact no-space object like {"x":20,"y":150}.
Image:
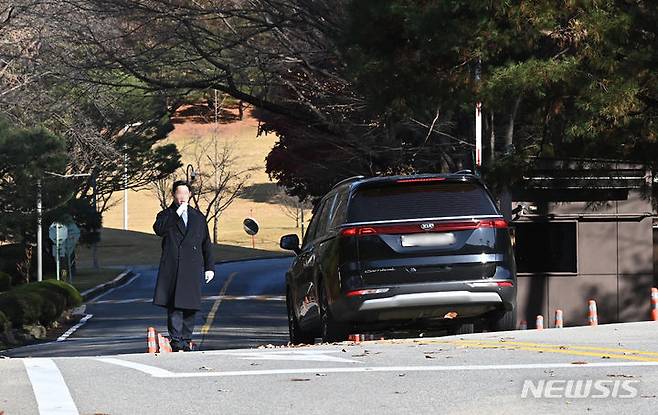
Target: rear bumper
{"x":425,"y":301}
{"x":430,"y":299}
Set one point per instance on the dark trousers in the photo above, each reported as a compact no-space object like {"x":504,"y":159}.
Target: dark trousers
{"x":180,"y":323}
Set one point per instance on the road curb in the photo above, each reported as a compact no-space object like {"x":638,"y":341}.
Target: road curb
{"x":101,"y":288}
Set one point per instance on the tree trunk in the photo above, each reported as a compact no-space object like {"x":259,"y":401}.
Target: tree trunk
{"x":506,"y":197}
{"x":492,"y":138}
{"x":509,"y":136}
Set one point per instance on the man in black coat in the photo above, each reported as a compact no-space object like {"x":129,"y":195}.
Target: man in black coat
{"x":186,"y":258}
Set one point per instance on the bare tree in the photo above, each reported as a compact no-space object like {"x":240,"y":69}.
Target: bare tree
{"x":218,"y":180}
{"x":280,"y":57}
{"x":291,"y":206}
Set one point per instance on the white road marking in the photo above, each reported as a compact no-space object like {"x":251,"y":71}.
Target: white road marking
{"x":298,"y":355}
{"x":50,"y":390}
{"x":205,"y":298}
{"x":70,"y":331}
{"x":156,"y":372}
{"x":163,"y":373}
{"x":93,"y":300}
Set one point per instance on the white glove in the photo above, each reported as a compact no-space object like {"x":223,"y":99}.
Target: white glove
{"x":181,"y":208}
{"x":209,"y":276}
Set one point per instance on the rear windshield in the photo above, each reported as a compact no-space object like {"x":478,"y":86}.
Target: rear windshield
{"x":398,"y":201}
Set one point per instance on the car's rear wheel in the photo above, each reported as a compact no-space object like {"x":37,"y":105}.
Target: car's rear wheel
{"x":330,"y":329}
{"x":297,"y":335}
{"x":502,"y":321}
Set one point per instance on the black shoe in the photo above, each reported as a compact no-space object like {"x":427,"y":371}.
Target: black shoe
{"x":190,"y":347}
{"x":177,"y":347}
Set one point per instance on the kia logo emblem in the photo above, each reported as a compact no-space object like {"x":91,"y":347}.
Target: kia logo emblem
{"x":426,"y":226}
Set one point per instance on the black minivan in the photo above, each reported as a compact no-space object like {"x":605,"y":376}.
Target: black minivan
{"x":384,"y":253}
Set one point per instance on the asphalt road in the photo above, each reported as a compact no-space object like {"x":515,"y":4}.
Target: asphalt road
{"x":599,"y":370}
{"x":249,"y":312}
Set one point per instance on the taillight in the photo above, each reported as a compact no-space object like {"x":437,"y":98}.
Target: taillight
{"x":421,"y":179}
{"x":356,"y":293}
{"x":482,"y":284}
{"x":416,"y":228}
{"x":358,"y":231}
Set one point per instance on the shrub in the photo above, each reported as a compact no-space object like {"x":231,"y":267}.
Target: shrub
{"x":39,"y":302}
{"x":5,"y":324}
{"x":5,"y":281}
{"x":72,"y":295}
{"x":21,"y":308}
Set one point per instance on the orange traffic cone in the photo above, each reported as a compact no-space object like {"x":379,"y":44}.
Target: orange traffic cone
{"x":559,"y":321}
{"x":654,"y":304}
{"x":163,"y":344}
{"x":592,"y":314}
{"x":152,"y":346}
{"x":539,"y":324}
{"x":354,"y":338}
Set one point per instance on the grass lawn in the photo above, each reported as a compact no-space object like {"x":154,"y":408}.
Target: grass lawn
{"x":257,"y":202}
{"x":140,"y":246}
{"x":87,"y":278}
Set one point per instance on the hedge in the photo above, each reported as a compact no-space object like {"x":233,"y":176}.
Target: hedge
{"x":5,"y":324}
{"x":39,"y":302}
{"x":5,"y":281}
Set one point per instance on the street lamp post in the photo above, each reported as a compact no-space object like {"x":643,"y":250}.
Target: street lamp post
{"x":39,"y":219}
{"x":125,"y":188}
{"x":190,"y":176}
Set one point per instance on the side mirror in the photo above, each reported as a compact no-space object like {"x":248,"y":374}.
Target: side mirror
{"x":290,"y":243}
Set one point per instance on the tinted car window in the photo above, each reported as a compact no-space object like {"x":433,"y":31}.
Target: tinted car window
{"x":312,"y":227}
{"x":397,"y":201}
{"x":339,"y":210}
{"x":327,"y":211}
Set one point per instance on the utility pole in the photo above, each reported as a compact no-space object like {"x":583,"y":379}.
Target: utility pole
{"x":39,"y":236}
{"x":39,"y":220}
{"x":478,"y":122}
{"x":216,"y":207}
{"x":94,"y":245}
{"x":125,"y":188}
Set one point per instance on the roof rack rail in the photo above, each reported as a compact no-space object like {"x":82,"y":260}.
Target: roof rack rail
{"x":349,"y":179}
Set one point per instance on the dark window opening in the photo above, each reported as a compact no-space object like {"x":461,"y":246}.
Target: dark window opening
{"x":545,"y":247}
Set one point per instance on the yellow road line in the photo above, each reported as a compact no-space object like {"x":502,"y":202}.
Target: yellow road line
{"x":215,"y":306}
{"x":567,"y":346}
{"x":593,"y":351}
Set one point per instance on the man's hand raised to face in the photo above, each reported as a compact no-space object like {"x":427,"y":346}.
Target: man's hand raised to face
{"x":181,"y":208}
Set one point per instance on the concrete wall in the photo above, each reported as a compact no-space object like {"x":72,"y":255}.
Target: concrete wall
{"x":615,"y":268}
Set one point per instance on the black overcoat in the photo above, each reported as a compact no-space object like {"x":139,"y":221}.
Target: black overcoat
{"x":186,"y":254}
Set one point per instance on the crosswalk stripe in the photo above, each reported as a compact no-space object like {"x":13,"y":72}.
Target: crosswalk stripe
{"x":50,"y":390}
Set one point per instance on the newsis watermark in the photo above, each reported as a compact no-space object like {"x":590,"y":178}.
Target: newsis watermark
{"x":580,"y":388}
